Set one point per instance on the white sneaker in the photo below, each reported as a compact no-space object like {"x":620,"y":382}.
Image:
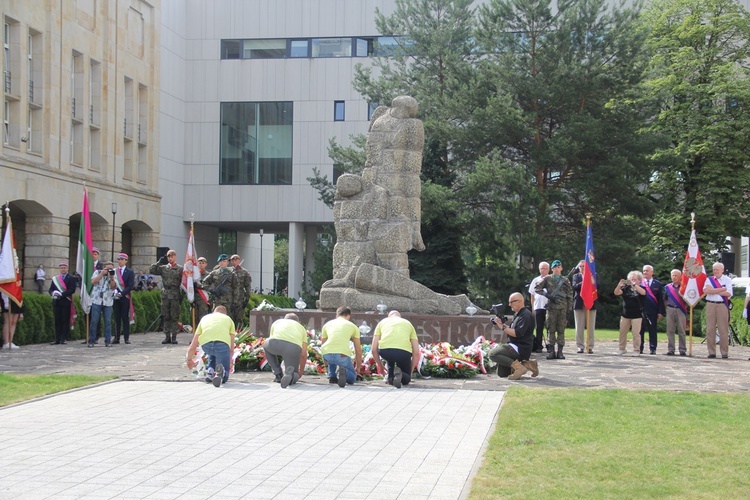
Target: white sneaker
{"x":636,"y":354}
{"x":13,"y":346}
{"x":622,"y":352}
{"x":6,"y":346}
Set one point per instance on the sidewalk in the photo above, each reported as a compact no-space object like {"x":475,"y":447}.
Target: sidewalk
{"x":147,"y":359}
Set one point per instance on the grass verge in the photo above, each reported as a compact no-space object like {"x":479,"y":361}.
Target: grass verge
{"x":16,"y":388}
{"x":574,"y":443}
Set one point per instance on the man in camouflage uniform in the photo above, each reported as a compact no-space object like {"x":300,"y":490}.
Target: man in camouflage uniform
{"x":221,"y":284}
{"x":201,"y":302}
{"x":243,"y":291}
{"x":171,"y":294}
{"x":559,"y":293}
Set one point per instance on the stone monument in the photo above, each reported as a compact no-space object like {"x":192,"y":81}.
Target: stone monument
{"x":377,"y":217}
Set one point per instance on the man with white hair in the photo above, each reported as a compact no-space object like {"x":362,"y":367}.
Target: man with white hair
{"x":718,"y":290}
{"x":653,"y":307}
{"x":395,"y":340}
{"x":676,"y":314}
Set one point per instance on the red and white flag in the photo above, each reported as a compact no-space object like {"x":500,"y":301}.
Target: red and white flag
{"x":693,"y":273}
{"x":190,"y":271}
{"x":10,"y":278}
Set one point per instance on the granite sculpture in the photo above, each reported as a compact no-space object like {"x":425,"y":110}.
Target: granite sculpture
{"x":377,"y":217}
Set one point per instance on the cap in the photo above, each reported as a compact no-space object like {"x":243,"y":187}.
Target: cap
{"x":95,"y":249}
{"x":556,"y":263}
{"x":202,"y":259}
{"x":222,"y":257}
{"x":63,"y":263}
{"x":122,"y":256}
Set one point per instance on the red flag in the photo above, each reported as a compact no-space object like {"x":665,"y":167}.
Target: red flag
{"x":693,"y":273}
{"x":10,"y":278}
{"x":588,"y":285}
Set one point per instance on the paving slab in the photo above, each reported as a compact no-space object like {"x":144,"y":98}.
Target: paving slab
{"x":145,"y":439}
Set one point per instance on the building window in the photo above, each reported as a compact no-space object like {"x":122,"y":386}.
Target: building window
{"x":339,"y":111}
{"x":227,"y":242}
{"x":337,"y":171}
{"x":230,"y":49}
{"x":299,"y":48}
{"x":363,"y":47}
{"x":331,"y":47}
{"x":256,"y":143}
{"x":264,"y":49}
{"x":6,"y":124}
{"x":6,"y":52}
{"x":371,"y":107}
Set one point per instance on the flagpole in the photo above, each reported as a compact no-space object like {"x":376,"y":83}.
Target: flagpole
{"x":192,"y":306}
{"x":588,"y":311}
{"x":690,"y":348}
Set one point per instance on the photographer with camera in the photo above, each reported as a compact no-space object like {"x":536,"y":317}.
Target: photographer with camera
{"x":559,"y":293}
{"x":102,"y":300}
{"x":632,"y":294}
{"x":171,"y":294}
{"x":513,"y":358}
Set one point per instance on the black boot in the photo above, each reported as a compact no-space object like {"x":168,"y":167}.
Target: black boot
{"x":174,"y":338}
{"x":551,"y":351}
{"x":166,"y":340}
{"x":559,"y":352}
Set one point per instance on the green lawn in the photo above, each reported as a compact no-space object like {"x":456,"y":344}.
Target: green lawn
{"x":15,"y":388}
{"x":576,"y":443}
{"x":605,"y":334}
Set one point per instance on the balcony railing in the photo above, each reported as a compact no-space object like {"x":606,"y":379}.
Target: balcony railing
{"x":31,"y":90}
{"x":7,"y":81}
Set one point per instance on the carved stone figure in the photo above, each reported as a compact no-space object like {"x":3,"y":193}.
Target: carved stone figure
{"x":377,"y":217}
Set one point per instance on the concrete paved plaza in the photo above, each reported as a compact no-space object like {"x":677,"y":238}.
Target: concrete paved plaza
{"x":140,"y":439}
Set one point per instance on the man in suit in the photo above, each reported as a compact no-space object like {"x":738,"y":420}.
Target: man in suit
{"x":124,"y":281}
{"x":653,"y":307}
{"x":62,"y":289}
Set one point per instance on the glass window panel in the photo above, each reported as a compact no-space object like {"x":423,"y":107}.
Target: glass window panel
{"x":264,"y":49}
{"x":339,"y":108}
{"x":331,"y":47}
{"x":364,"y":47}
{"x":371,"y":107}
{"x":256,"y":143}
{"x":230,"y":49}
{"x":298,"y":48}
{"x":386,"y":46}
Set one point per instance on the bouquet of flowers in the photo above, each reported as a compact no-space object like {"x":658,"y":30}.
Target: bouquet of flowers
{"x":315,"y":364}
{"x":266,"y":306}
{"x":479,"y":354}
{"x":444,"y":361}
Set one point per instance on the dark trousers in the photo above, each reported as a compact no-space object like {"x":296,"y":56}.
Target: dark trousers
{"x":651,"y":327}
{"x":289,"y":352}
{"x":400,"y":358}
{"x":61,"y":310}
{"x":122,"y":318}
{"x":539,"y":315}
{"x":504,"y":355}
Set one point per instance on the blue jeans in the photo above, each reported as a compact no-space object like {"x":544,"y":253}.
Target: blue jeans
{"x":217,"y":352}
{"x":336,"y":360}
{"x":96,"y":313}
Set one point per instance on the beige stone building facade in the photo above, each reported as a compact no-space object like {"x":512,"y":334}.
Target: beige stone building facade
{"x":80,"y":105}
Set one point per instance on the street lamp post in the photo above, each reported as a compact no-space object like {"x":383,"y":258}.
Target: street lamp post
{"x":261,"y":262}
{"x":114,"y":215}
{"x":276,"y":285}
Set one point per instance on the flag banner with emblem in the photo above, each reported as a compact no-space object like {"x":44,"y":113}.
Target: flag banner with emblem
{"x":693,"y":273}
{"x":190,"y":271}
{"x":85,"y":258}
{"x":588,"y":285}
{"x":10,"y":278}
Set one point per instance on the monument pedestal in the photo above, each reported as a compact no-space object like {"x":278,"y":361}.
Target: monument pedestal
{"x":456,"y":330}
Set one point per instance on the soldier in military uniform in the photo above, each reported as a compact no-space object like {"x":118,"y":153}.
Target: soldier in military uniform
{"x":201,"y":302}
{"x":559,"y":292}
{"x":243,"y":290}
{"x":221,"y":284}
{"x":171,"y":294}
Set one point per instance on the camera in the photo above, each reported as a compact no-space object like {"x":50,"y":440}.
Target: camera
{"x":497,"y":311}
{"x":111,"y":272}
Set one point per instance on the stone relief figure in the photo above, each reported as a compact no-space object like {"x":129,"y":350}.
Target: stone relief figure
{"x":377,"y":217}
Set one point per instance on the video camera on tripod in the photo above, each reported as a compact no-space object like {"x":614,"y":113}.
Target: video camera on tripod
{"x":497,"y":311}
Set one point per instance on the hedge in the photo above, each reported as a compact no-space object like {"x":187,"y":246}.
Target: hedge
{"x":38,"y":323}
